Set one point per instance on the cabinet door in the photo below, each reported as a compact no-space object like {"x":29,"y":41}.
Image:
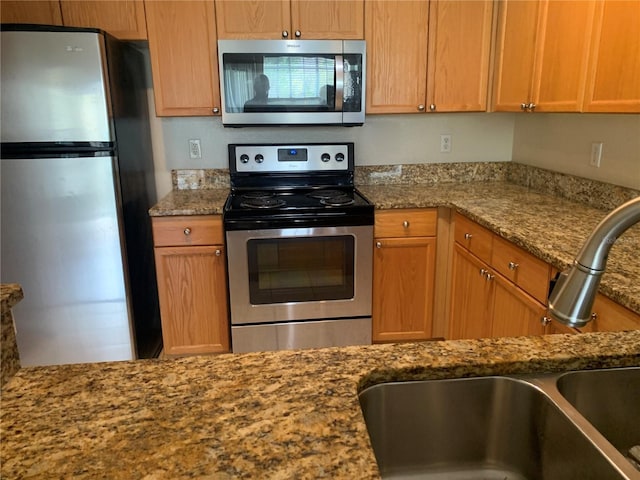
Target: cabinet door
{"x":193,"y":299}
{"x":562,"y":53}
{"x":185,"y":78}
{"x":329,"y":19}
{"x":459,"y":51}
{"x":514,"y":312}
{"x":403,"y":282}
{"x":515,"y":53}
{"x":123,"y":19}
{"x":471,"y":305}
{"x":396,"y":35}
{"x":253,"y":19}
{"x":26,"y":11}
{"x":614,"y":74}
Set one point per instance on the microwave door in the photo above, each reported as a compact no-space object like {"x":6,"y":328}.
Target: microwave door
{"x":339,"y":83}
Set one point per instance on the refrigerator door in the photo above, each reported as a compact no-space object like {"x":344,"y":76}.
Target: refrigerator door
{"x":61,"y":241}
{"x":54,"y":87}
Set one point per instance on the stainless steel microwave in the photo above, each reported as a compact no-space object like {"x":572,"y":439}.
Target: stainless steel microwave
{"x":292,"y":82}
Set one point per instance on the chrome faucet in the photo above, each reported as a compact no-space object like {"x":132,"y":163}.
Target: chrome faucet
{"x":571,"y":300}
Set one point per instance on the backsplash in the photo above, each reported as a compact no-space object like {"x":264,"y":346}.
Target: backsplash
{"x":605,"y":196}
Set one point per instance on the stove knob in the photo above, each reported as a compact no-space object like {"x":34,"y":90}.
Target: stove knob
{"x":325,"y":157}
{"x":244,"y":158}
{"x":259,"y":158}
{"x":339,"y":157}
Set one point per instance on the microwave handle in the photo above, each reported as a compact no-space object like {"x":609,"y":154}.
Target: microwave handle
{"x":339,"y":82}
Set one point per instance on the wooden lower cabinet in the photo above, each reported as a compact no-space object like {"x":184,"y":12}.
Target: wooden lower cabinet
{"x":470,"y":313}
{"x":403,"y":286}
{"x":192,"y":284}
{"x":193,"y":299}
{"x":485,"y":304}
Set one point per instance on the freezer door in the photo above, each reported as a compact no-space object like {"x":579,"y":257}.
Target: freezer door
{"x":53,"y":87}
{"x":61,"y":241}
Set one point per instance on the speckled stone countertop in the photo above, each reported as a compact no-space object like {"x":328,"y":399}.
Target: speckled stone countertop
{"x":548,"y":226}
{"x":278,"y":415}
{"x":10,"y":295}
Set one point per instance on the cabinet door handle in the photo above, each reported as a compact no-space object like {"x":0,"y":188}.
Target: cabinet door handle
{"x":545,"y":321}
{"x":513,"y":265}
{"x":285,"y":34}
{"x":406,"y":224}
{"x":524,"y":106}
{"x":432,"y":107}
{"x":421,"y":108}
{"x":218,"y":252}
{"x":483,"y":272}
{"x":532,"y":107}
{"x":489,"y":277}
{"x":215,"y":110}
{"x":187,"y":231}
{"x":468,"y":236}
{"x":298,"y":34}
{"x":378,"y":244}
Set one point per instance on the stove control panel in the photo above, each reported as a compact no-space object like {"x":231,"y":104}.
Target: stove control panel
{"x":290,"y":158}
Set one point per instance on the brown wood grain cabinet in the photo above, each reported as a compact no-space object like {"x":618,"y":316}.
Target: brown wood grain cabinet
{"x":183,"y":60}
{"x":497,"y":289}
{"x":613,"y":81}
{"x":277,"y":19}
{"x":446,"y":67}
{"x":542,"y":53}
{"x":124,"y":19}
{"x":27,"y":11}
{"x":404,"y":274}
{"x":192,"y":284}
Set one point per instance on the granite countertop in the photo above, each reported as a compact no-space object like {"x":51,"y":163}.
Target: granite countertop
{"x":277,"y":415}
{"x":550,"y":227}
{"x":10,"y":294}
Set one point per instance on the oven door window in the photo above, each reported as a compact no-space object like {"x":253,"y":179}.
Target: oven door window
{"x":303,"y":269}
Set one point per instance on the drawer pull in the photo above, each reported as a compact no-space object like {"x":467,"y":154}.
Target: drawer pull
{"x":378,"y":244}
{"x":405,"y":224}
{"x":218,"y":252}
{"x":468,"y":236}
{"x":513,"y":265}
{"x":187,"y":231}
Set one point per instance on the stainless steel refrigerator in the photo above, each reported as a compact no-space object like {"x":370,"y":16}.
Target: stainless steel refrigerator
{"x":77,"y":181}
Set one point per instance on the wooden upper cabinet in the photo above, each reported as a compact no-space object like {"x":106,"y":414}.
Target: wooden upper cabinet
{"x":25,"y":11}
{"x":334,"y":19}
{"x":396,"y":35}
{"x":542,"y":55}
{"x":459,"y":52}
{"x":614,"y":71}
{"x":252,"y":19}
{"x":183,"y":60}
{"x":277,"y":19}
{"x":124,"y":19}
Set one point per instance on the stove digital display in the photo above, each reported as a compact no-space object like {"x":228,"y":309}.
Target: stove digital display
{"x":292,"y":154}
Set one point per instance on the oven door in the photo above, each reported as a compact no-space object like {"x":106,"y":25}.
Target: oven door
{"x":279,"y":275}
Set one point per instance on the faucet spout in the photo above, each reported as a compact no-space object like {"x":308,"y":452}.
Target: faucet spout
{"x":571,"y":300}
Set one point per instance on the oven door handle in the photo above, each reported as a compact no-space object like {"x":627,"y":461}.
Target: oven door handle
{"x":339,"y":82}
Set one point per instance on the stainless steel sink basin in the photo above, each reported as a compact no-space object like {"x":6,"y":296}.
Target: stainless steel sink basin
{"x":609,"y":400}
{"x":504,"y":428}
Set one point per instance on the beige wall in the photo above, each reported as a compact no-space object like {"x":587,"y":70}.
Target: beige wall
{"x":562,"y":142}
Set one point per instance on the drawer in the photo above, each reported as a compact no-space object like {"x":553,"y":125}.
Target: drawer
{"x":187,"y":230}
{"x":406,"y":222}
{"x":610,"y":316}
{"x":525,"y":270}
{"x":475,"y":238}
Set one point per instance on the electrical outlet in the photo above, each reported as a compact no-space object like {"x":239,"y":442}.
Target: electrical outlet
{"x":596,"y":154}
{"x":194,"y":149}
{"x":445,"y":143}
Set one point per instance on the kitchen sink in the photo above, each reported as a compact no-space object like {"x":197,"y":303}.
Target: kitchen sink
{"x":506,"y":428}
{"x":609,"y":400}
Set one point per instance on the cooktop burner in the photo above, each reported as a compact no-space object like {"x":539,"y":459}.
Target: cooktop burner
{"x":294,"y":186}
